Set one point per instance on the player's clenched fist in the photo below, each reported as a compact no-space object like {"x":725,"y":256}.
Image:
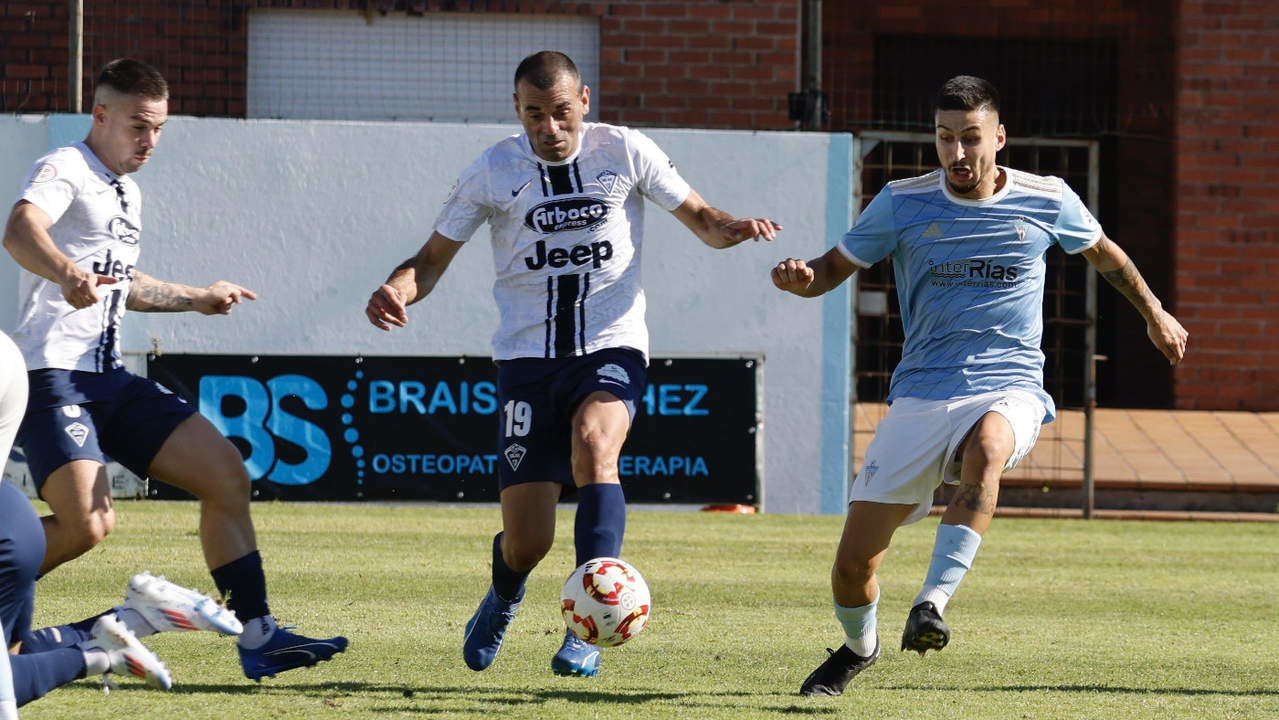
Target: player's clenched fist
{"x":792,"y":275}
{"x":386,"y":308}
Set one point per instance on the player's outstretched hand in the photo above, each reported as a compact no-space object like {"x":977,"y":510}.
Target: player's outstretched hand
{"x":744,"y":229}
{"x":1168,"y":335}
{"x":81,"y":290}
{"x":792,"y":275}
{"x":221,"y":296}
{"x":386,"y":308}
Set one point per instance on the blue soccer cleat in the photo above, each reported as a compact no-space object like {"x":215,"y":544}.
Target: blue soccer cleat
{"x":286,"y":651}
{"x":576,"y":658}
{"x":486,"y":628}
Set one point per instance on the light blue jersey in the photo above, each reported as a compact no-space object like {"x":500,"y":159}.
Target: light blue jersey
{"x":970,"y":278}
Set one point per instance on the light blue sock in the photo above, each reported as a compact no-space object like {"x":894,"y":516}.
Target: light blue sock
{"x":953,"y":554}
{"x":859,"y":627}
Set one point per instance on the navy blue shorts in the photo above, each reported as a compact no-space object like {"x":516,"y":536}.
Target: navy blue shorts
{"x":21,"y":552}
{"x":74,"y":415}
{"x":537,"y":398}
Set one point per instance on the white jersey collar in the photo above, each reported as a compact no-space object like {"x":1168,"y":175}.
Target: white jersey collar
{"x":95,"y":164}
{"x":951,"y":196}
{"x":527,"y":144}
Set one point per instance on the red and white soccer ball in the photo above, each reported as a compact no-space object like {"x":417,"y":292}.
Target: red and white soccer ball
{"x":605,"y":602}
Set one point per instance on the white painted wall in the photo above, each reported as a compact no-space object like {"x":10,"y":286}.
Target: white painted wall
{"x":23,"y":138}
{"x":314,"y":215}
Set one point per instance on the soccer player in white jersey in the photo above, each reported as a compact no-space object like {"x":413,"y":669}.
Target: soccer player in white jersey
{"x":564,"y":201}
{"x":967,"y":400}
{"x":75,"y":231}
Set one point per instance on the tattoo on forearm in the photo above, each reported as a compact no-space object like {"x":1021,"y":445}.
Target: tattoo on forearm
{"x":976,"y":498}
{"x":153,"y":296}
{"x":1129,"y":282}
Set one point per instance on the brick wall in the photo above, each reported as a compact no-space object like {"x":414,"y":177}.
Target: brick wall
{"x":1227,"y":205}
{"x":700,"y":63}
{"x":1137,"y":153}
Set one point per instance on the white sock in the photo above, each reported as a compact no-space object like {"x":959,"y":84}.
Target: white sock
{"x":96,"y":661}
{"x":134,"y":620}
{"x":257,"y":631}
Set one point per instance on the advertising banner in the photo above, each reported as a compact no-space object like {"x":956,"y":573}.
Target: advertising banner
{"x":348,"y":428}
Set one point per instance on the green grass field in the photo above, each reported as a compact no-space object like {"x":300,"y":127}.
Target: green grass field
{"x":1058,"y":619}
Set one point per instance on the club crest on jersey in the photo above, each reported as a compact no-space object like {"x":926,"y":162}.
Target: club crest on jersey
{"x":1020,"y":226}
{"x":46,"y":173}
{"x":579,"y":213}
{"x":123,"y":229}
{"x":78,"y":432}
{"x":607,"y":180}
{"x":514,"y":453}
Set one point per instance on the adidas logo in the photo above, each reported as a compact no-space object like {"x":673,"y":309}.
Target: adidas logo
{"x":514,"y":453}
{"x":932,"y":232}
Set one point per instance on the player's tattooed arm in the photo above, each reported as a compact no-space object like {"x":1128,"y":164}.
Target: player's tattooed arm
{"x":1118,"y":269}
{"x":1161,"y":327}
{"x":1132,"y":286}
{"x":146,"y":294}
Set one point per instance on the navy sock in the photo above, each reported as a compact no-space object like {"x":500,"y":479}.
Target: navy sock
{"x":243,"y":584}
{"x":601,"y":521}
{"x":507,"y":583}
{"x":62,"y":636}
{"x":36,"y":674}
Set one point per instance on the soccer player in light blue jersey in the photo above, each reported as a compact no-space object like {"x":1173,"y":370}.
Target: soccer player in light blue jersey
{"x":967,"y":400}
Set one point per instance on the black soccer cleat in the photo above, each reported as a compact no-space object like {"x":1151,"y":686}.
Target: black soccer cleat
{"x":833,"y":675}
{"x":925,"y":630}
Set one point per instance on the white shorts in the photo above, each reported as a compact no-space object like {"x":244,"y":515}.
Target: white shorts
{"x":914,"y":447}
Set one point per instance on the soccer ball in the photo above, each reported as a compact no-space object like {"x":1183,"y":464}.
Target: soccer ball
{"x":605,"y":602}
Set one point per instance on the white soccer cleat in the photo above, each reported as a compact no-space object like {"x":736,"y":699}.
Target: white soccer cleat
{"x":169,"y":607}
{"x":128,"y":656}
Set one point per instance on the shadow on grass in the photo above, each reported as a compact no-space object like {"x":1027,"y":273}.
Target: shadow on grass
{"x":447,"y":699}
{"x":1101,"y":689}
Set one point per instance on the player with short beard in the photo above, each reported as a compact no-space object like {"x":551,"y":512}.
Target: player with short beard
{"x":564,"y":201}
{"x":967,"y":400}
{"x":75,"y":231}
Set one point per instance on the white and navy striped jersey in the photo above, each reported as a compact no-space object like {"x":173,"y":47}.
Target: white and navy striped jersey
{"x":566,"y":238}
{"x":97,"y":218}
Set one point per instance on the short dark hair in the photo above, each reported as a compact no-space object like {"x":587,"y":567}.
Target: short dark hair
{"x":543,"y":69}
{"x":133,"y":77}
{"x":967,"y":92}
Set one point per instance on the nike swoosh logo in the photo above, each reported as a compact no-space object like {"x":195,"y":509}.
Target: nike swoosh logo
{"x":520,"y":189}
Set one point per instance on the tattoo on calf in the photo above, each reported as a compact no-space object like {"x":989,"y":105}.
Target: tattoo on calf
{"x":976,"y":498}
